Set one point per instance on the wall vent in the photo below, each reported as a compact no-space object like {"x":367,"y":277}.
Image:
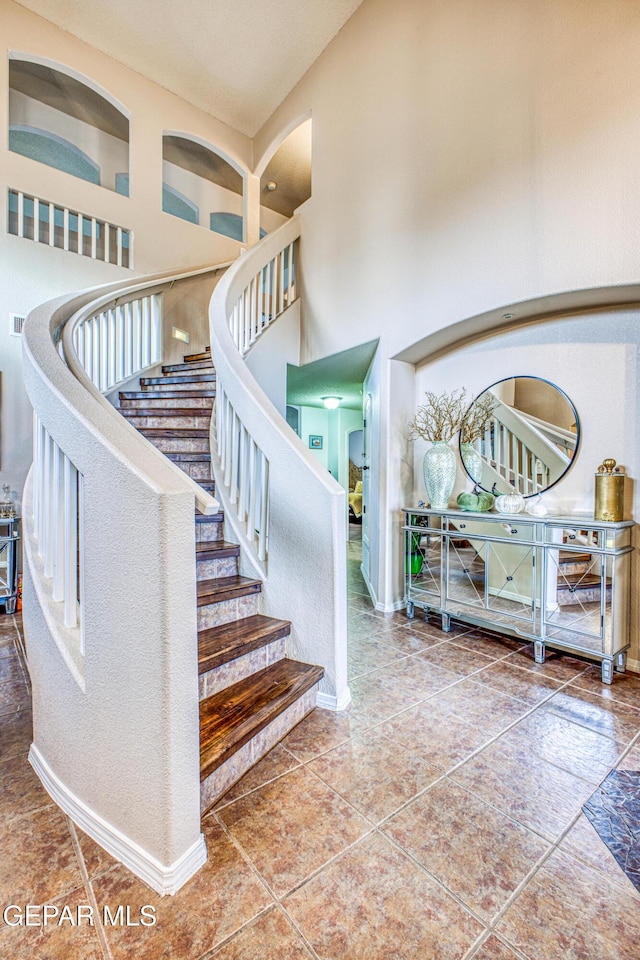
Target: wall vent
{"x":16,"y":323}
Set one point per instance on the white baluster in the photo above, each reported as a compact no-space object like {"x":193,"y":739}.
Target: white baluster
{"x":264,"y":509}
{"x":20,"y":196}
{"x":137,"y":336}
{"x":49,"y":509}
{"x":70,"y":510}
{"x":57,"y":523}
{"x":128,"y":340}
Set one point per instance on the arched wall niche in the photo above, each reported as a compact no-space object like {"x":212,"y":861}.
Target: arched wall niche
{"x":51,"y":105}
{"x":210,"y":180}
{"x":285,"y":172}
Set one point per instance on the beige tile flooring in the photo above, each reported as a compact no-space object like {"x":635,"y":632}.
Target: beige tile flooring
{"x":439,"y":818}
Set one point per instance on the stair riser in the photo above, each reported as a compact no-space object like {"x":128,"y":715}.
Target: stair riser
{"x":178,"y":445}
{"x":222,"y":677}
{"x":566,"y":569}
{"x":195,"y":469}
{"x":170,"y":422}
{"x":208,"y":532}
{"x":568,"y":598}
{"x":236,"y":766}
{"x":225,"y":611}
{"x":210,"y":569}
{"x":167,"y":403}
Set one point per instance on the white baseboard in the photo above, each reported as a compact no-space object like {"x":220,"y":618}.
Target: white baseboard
{"x":329,"y":702}
{"x":390,"y":607}
{"x":160,"y":877}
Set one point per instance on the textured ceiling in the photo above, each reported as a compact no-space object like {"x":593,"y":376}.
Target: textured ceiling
{"x":339,"y":375}
{"x":235,"y":59}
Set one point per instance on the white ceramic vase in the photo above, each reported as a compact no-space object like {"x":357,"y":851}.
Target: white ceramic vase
{"x":439,"y":468}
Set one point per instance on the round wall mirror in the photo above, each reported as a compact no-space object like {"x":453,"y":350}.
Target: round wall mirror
{"x":523,"y":440}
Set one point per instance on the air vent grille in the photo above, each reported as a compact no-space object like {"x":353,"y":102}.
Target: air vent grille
{"x":16,"y":323}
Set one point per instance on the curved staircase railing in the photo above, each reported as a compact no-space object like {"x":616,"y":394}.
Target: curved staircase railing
{"x":110,"y":587}
{"x":288,"y":512}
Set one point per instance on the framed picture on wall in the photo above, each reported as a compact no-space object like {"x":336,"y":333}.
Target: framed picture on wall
{"x":315,"y":442}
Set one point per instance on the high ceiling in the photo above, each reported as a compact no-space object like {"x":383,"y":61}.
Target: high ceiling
{"x":235,"y":59}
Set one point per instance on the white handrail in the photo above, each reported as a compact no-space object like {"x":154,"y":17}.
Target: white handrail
{"x":287,"y":511}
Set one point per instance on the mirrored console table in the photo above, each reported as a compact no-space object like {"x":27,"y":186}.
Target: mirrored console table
{"x":561,"y":582}
{"x":9,"y":537}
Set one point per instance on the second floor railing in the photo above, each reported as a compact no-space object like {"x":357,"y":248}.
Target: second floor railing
{"x":41,"y":220}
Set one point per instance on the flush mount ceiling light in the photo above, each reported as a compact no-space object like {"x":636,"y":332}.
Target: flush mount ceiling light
{"x":508,"y":316}
{"x":271,"y":186}
{"x":331,"y":402}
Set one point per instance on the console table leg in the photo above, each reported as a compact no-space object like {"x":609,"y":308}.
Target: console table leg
{"x":607,"y":671}
{"x":538,"y":651}
{"x":410,"y":610}
{"x":621,"y":663}
{"x":446,"y":622}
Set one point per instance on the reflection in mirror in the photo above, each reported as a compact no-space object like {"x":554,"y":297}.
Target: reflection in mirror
{"x":529,"y":441}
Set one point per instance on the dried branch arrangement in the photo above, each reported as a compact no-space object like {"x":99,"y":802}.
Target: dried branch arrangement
{"x":439,"y":417}
{"x":477,"y":417}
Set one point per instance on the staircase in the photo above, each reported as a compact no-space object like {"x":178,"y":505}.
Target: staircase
{"x":579,"y":580}
{"x":251,"y":693}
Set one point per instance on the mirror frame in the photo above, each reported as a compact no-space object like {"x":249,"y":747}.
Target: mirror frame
{"x":527,"y":496}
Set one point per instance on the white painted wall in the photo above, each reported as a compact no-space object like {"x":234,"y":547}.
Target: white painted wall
{"x":467,"y":157}
{"x":270,"y":355}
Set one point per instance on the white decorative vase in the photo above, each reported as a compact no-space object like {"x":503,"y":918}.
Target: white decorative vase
{"x":472,"y":461}
{"x":509,"y":503}
{"x":439,"y":474}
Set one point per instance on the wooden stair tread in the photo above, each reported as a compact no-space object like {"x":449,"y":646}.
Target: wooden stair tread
{"x":179,"y":433}
{"x":216,"y":550}
{"x":191,"y":357}
{"x":202,"y":365}
{"x":165,"y":412}
{"x":207,"y":377}
{"x":232,"y":717}
{"x":567,"y":556}
{"x":580,"y":580}
{"x":228,"y":641}
{"x":188,"y":456}
{"x":165,"y":394}
{"x":226,"y":588}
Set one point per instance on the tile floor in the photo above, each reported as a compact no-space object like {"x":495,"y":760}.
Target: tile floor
{"x":440,"y":818}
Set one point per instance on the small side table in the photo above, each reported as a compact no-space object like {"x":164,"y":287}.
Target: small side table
{"x":9,"y":537}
